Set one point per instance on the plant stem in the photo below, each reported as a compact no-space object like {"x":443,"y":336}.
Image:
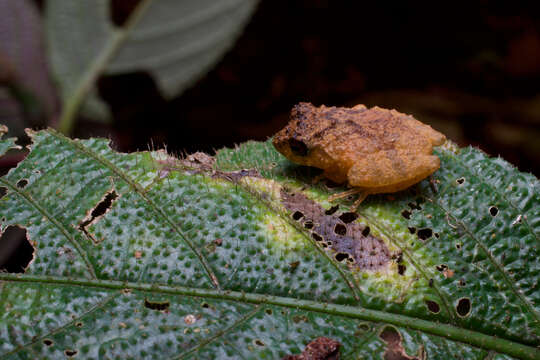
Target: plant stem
{"x":88,"y":79}
{"x":450,"y":332}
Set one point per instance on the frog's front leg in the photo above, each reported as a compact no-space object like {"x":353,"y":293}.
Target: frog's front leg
{"x":362,"y":195}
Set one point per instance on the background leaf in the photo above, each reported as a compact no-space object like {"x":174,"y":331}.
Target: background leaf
{"x":175,"y":41}
{"x":27,"y":95}
{"x":143,"y":255}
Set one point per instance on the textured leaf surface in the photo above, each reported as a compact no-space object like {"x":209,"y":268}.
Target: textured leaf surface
{"x":175,"y":41}
{"x":191,"y":261}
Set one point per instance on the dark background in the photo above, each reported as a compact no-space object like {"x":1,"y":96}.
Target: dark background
{"x":471,"y":71}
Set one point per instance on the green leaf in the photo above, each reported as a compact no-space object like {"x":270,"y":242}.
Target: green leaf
{"x":145,"y":256}
{"x":175,"y":41}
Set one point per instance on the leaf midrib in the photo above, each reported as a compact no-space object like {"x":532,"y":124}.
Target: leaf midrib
{"x":450,"y":332}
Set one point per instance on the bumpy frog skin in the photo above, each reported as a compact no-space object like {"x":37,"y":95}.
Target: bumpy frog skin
{"x":375,"y":150}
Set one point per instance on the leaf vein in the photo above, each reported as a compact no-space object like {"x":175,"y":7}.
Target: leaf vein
{"x":140,"y":191}
{"x":220,"y":333}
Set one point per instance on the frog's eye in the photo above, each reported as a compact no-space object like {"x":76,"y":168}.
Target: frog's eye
{"x":298,"y":147}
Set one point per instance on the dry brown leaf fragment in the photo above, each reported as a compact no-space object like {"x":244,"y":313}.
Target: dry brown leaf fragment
{"x":322,"y":348}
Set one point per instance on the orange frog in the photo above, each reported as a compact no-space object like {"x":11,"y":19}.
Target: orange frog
{"x":373,"y":150}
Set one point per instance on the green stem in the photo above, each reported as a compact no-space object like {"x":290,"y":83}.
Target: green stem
{"x":87,"y":80}
{"x":450,"y":332}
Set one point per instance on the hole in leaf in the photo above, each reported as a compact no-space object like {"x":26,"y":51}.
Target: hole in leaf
{"x":340,"y":229}
{"x":433,"y":306}
{"x":493,"y":211}
{"x":348,"y":217}
{"x":99,"y":210}
{"x":424,"y":234}
{"x":341,"y":256}
{"x":21,"y":184}
{"x":414,"y":206}
{"x":412,"y":230}
{"x":406,"y":214}
{"x":3,"y":191}
{"x":78,"y":324}
{"x":458,"y":246}
{"x":441,"y":267}
{"x":401,"y":269}
{"x":297,"y":215}
{"x":258,"y":342}
{"x":463,"y":307}
{"x":462,"y":282}
{"x":268,"y":311}
{"x":47,"y":342}
{"x":436,"y":235}
{"x":460,"y":181}
{"x":104,"y":205}
{"x":366,"y":231}
{"x":390,"y":335}
{"x":332,"y":210}
{"x":308,"y":224}
{"x":70,"y":352}
{"x":205,"y":305}
{"x":394,"y":347}
{"x":156,"y":305}
{"x":15,"y":250}
{"x":298,"y":147}
{"x":316,"y":237}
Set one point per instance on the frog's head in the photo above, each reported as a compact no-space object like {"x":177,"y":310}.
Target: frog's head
{"x":294,"y":140}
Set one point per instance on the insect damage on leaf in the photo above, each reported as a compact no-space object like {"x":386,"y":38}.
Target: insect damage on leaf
{"x":337,"y":232}
{"x":322,"y":348}
{"x":394,"y":348}
{"x":24,"y":251}
{"x":169,"y":233}
{"x":96,"y":213}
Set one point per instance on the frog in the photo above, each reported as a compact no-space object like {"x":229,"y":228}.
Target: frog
{"x":371,"y":150}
